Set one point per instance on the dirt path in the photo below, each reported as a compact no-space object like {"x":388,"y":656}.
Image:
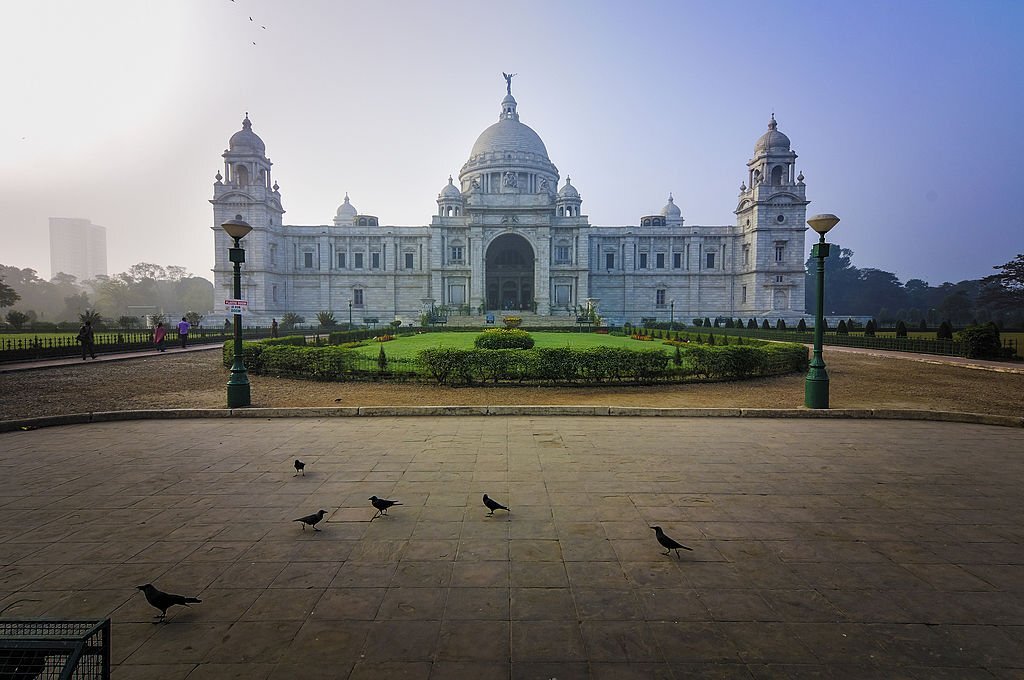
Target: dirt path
{"x":196,"y":380}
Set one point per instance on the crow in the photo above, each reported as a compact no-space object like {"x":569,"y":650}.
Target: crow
{"x":382,"y":506}
{"x":300,"y":467}
{"x":493,"y":505}
{"x":311,"y":520}
{"x":163,"y":601}
{"x":668,"y":543}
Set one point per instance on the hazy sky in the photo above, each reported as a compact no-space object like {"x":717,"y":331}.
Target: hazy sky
{"x":907,"y":116}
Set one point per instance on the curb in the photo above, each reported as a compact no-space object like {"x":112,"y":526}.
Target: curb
{"x":532,"y":411}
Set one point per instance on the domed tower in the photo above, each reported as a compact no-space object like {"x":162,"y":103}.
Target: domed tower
{"x":346,"y":214}
{"x":246,"y":188}
{"x":672,"y":214}
{"x":568,"y":202}
{"x":508,"y":159}
{"x":770,"y":215}
{"x":449,"y":200}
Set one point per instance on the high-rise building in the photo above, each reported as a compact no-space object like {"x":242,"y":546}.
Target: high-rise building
{"x":77,"y":247}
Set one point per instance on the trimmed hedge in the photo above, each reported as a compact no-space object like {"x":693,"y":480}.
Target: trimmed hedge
{"x":504,"y":338}
{"x":452,"y":366}
{"x":552,"y":364}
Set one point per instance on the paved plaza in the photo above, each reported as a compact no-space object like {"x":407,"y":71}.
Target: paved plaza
{"x":821,"y":548}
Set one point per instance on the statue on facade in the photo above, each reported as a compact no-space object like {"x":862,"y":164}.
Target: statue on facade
{"x":508,"y":80}
{"x":544,"y":185}
{"x":474,"y":184}
{"x":510,"y":180}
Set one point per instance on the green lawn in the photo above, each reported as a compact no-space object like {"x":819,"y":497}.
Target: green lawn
{"x":407,"y":346}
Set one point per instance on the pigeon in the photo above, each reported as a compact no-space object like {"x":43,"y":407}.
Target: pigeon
{"x":300,"y":467}
{"x":163,"y":601}
{"x":668,"y":543}
{"x":493,"y":505}
{"x":382,"y":506}
{"x":311,"y":520}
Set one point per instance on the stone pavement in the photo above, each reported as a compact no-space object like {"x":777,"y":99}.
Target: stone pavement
{"x":821,"y":549}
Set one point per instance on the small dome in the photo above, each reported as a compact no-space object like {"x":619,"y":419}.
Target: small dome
{"x":346,"y":209}
{"x":773,"y":140}
{"x":450,"y":191}
{"x":568,"y":191}
{"x":671,"y":209}
{"x":247,"y":141}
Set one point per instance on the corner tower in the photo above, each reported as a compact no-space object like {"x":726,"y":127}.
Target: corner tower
{"x":770,"y":219}
{"x":246,"y":188}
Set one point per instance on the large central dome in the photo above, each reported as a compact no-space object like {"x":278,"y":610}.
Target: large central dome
{"x":508,"y":134}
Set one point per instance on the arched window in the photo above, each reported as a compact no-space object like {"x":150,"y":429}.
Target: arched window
{"x":362,"y":221}
{"x":777,"y":175}
{"x":241,"y":175}
{"x":561,"y":212}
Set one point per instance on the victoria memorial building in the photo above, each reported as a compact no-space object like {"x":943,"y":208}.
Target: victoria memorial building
{"x":510,"y":234}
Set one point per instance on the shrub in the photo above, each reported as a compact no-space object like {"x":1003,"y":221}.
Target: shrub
{"x":194,"y":318}
{"x":945,"y":331}
{"x":698,"y":322}
{"x":729,"y":323}
{"x":869,"y":328}
{"x":326,"y":320}
{"x":981,"y":342}
{"x":290,"y":320}
{"x":751,"y":324}
{"x":677,"y":358}
{"x":17,"y":319}
{"x":512,"y":321}
{"x":802,"y":326}
{"x":923,"y":326}
{"x":711,"y":339}
{"x":707,"y":322}
{"x":382,"y":360}
{"x":780,"y":325}
{"x":503,"y":338}
{"x":901,"y":329}
{"x":841,"y":329}
{"x":765,"y":326}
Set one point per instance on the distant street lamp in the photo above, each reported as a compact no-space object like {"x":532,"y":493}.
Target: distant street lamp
{"x":672,"y":307}
{"x":350,"y":315}
{"x":238,"y":383}
{"x":816,"y":385}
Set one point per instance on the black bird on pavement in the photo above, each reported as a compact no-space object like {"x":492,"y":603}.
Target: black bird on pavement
{"x":311,"y":520}
{"x":382,"y":506}
{"x":493,"y":505}
{"x":668,"y":543}
{"x":163,"y":601}
{"x":300,"y":467}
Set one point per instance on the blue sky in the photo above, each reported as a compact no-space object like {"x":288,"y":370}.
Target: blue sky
{"x":906,"y":116}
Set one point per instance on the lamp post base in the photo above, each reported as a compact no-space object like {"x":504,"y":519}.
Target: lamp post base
{"x":238,"y":386}
{"x":816,"y":392}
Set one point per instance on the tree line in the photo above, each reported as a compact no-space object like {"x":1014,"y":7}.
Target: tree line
{"x":119,"y":300}
{"x":855,"y":291}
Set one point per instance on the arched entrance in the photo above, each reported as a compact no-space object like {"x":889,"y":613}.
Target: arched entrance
{"x":509,"y":273}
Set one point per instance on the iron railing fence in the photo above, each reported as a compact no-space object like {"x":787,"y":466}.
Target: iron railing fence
{"x":54,"y":650}
{"x":60,"y":346}
{"x":831,"y":337}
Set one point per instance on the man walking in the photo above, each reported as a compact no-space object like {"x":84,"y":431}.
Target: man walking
{"x":183,"y":328}
{"x":85,"y":337}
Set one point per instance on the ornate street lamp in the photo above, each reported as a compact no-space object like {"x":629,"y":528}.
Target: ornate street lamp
{"x":816,"y":385}
{"x":672,"y":307}
{"x":350,"y":315}
{"x":238,"y":383}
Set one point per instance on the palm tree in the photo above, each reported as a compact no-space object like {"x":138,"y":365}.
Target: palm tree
{"x":92,"y":316}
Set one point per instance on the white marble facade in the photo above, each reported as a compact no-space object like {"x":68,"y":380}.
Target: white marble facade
{"x":506,"y":237}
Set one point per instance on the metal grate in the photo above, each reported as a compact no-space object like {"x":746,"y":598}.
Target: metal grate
{"x":55,"y":650}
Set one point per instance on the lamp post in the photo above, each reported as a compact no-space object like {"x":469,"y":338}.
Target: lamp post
{"x":238,"y":383}
{"x":672,"y":313}
{"x":816,"y":385}
{"x":350,"y":315}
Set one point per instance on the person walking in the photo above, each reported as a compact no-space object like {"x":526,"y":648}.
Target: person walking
{"x":159,"y":335}
{"x":85,"y":336}
{"x":273,"y":328}
{"x":183,"y":328}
